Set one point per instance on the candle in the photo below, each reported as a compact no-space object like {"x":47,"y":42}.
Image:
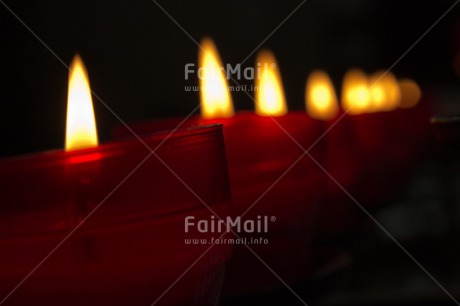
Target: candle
{"x":368,"y":129}
{"x":269,"y":175}
{"x":104,"y":224}
{"x":370,"y":148}
{"x":336,"y":217}
{"x":369,"y":103}
{"x":384,"y":134}
{"x":261,"y":149}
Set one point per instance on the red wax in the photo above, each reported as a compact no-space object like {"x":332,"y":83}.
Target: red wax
{"x":337,"y":214}
{"x":133,"y":247}
{"x":259,"y":152}
{"x":389,"y":144}
{"x":367,"y":155}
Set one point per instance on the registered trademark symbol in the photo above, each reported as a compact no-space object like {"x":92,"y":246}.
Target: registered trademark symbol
{"x":274,"y":67}
{"x":273,"y":218}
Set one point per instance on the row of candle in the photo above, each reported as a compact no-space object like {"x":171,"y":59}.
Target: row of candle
{"x":269,"y":175}
{"x":364,"y":149}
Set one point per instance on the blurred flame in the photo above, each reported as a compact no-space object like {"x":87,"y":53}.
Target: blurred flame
{"x":81,"y":124}
{"x":385,"y":92}
{"x":410,"y":93}
{"x":215,"y":97}
{"x":320,"y":96}
{"x":356,"y":98}
{"x":270,"y":100}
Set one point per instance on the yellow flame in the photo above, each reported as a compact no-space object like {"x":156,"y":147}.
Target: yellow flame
{"x":356,"y":98}
{"x":410,"y":93}
{"x":270,"y":100}
{"x":215,"y":97}
{"x":320,"y":96}
{"x":385,"y":92}
{"x":81,"y":123}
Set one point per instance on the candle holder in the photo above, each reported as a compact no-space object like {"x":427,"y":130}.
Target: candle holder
{"x":133,"y":245}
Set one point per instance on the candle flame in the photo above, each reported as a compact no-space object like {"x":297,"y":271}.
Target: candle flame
{"x":270,"y":100}
{"x":356,"y":98}
{"x":385,"y":92}
{"x":215,"y":97}
{"x":81,"y":124}
{"x":320,"y":96}
{"x":410,"y":93}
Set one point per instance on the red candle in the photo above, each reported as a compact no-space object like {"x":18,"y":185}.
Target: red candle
{"x":261,"y":148}
{"x":388,"y":139}
{"x":269,"y":174}
{"x":336,"y":217}
{"x":370,"y":148}
{"x":108,"y":220}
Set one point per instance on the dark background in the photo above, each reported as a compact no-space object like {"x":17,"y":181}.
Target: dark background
{"x":135,"y":54}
